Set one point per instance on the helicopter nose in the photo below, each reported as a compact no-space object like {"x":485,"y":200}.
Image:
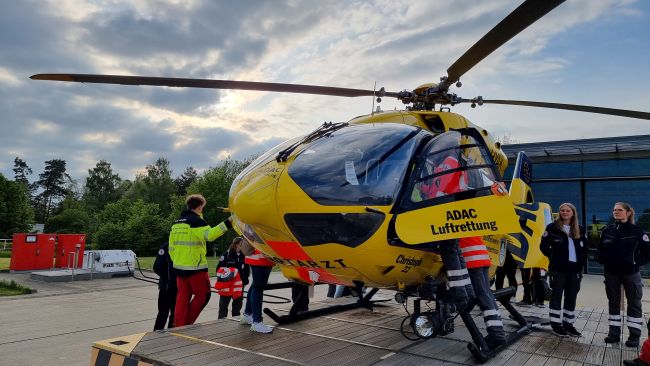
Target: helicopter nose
{"x":253,"y":202}
{"x":253,"y":198}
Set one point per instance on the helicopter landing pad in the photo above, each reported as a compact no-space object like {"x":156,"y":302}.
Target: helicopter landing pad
{"x":360,"y":337}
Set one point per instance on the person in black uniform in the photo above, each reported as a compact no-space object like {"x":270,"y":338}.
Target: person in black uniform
{"x":533,"y":284}
{"x":623,"y":248}
{"x":233,"y":257}
{"x":508,"y":270}
{"x":565,"y":244}
{"x":167,"y":289}
{"x":300,"y":297}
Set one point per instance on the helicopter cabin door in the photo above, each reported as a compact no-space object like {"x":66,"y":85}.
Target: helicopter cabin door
{"x":454,"y":191}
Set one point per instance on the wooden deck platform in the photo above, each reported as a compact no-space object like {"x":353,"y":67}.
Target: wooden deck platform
{"x":359,"y":337}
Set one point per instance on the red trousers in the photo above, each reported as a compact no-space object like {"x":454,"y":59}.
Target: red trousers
{"x":193,"y":295}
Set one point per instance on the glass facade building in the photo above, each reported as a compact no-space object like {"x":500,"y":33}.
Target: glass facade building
{"x":592,"y":174}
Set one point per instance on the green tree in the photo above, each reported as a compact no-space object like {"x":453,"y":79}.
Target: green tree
{"x":184,"y":180}
{"x":52,"y":181}
{"x":21,"y":171}
{"x":69,"y":221}
{"x":110,"y":236}
{"x":146,"y":230}
{"x":135,"y":225}
{"x":16,"y":214}
{"x":102,"y":186}
{"x":156,"y":186}
{"x":70,"y":217}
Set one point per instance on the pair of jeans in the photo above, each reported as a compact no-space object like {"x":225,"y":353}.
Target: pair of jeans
{"x":256,"y":295}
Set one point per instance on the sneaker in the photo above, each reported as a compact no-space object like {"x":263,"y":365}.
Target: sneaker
{"x":261,"y":328}
{"x":246,"y":319}
{"x":559,"y":331}
{"x":571,"y":330}
{"x":524,"y":304}
{"x":632,"y":341}
{"x":612,"y":339}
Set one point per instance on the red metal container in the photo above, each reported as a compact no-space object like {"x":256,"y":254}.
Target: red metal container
{"x":67,"y":245}
{"x":32,"y":251}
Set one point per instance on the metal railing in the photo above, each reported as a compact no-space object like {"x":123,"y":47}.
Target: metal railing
{"x":6,"y":243}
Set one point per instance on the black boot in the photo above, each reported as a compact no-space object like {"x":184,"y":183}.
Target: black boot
{"x":612,"y":338}
{"x":558,"y":330}
{"x":632,"y":340}
{"x":635,"y":362}
{"x":571,"y":330}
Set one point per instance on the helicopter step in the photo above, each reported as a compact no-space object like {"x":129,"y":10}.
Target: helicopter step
{"x":294,"y":315}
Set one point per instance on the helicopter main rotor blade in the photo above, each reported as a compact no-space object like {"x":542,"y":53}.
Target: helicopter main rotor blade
{"x":571,"y":107}
{"x":522,"y":17}
{"x":212,"y":84}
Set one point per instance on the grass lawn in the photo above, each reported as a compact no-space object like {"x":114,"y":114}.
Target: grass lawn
{"x":4,"y":263}
{"x":12,"y":289}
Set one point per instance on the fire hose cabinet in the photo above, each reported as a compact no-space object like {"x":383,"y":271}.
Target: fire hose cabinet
{"x":32,"y":251}
{"x":70,"y":250}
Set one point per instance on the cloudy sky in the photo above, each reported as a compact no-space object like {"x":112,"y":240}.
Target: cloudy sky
{"x":583,"y":52}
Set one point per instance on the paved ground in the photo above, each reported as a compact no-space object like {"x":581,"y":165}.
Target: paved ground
{"x":58,"y":324}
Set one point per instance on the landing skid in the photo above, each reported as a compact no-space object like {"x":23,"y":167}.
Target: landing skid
{"x":363,"y":301}
{"x":480,"y":349}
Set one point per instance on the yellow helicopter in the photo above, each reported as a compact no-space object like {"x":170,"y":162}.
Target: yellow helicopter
{"x":362,"y":203}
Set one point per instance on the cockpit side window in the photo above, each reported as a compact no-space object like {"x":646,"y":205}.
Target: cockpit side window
{"x":451,"y":163}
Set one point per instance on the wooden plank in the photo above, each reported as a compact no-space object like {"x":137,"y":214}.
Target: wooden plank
{"x":591,"y":325}
{"x":408,"y":360}
{"x":548,"y":346}
{"x":552,"y":361}
{"x":571,"y":350}
{"x":501,"y":358}
{"x":519,"y":358}
{"x":536,"y":360}
{"x":351,"y":355}
{"x":629,"y":354}
{"x":308,"y":354}
{"x":572,"y":363}
{"x":595,"y":355}
{"x":612,"y":357}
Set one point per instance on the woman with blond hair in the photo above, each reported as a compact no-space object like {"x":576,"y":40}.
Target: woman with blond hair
{"x":623,"y":248}
{"x":565,"y":244}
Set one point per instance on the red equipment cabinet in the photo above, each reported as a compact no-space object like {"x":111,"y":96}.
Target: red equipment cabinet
{"x":32,"y":251}
{"x":67,"y":244}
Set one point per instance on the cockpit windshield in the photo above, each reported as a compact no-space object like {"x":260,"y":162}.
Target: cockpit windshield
{"x":357,"y":165}
{"x":451,"y":163}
